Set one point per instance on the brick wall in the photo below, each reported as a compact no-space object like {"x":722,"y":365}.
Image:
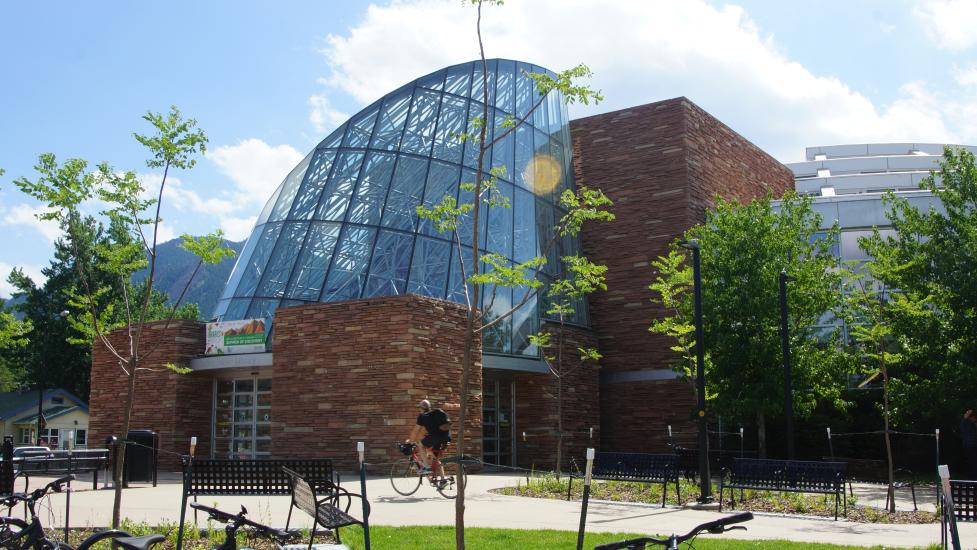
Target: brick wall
{"x":176,"y":406}
{"x":354,"y":371}
{"x":536,"y":406}
{"x":662,"y":164}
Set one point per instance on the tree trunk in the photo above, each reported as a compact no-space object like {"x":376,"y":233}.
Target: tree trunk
{"x":466,"y":367}
{"x":121,"y":448}
{"x":559,"y":402}
{"x":890,"y":490}
{"x":761,"y":434}
{"x":559,"y":426}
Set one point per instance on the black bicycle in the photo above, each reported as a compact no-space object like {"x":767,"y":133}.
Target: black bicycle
{"x":19,"y":534}
{"x":716,"y":527}
{"x":237,"y":521}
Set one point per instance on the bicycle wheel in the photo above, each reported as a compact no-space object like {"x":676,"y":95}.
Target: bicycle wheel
{"x":453,"y":471}
{"x":405,"y":478}
{"x":11,"y":529}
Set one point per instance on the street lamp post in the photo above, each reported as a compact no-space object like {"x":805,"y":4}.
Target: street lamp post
{"x":705,"y":479}
{"x":785,"y":344}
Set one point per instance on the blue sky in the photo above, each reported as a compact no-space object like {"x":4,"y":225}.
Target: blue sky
{"x":268,"y":81}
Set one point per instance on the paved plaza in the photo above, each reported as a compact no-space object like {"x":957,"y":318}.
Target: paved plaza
{"x":485,"y":509}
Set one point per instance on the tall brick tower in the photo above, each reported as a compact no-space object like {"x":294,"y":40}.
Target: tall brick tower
{"x":662,"y":164}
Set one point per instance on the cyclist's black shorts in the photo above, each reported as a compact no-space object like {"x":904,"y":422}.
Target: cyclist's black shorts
{"x":436,"y":444}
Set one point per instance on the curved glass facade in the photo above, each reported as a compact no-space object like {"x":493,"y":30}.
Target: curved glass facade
{"x":343,"y":224}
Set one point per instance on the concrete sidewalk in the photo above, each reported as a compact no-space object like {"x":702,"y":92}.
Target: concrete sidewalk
{"x":486,"y":509}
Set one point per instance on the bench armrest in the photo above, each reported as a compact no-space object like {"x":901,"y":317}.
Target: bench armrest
{"x":333,"y":499}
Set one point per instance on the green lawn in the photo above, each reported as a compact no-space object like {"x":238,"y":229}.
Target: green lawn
{"x":438,"y":538}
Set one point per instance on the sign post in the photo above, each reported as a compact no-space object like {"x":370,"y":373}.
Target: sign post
{"x":361,"y":451}
{"x":586,"y":497}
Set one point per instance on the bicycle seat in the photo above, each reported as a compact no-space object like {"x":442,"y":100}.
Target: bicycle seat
{"x":139,"y":543}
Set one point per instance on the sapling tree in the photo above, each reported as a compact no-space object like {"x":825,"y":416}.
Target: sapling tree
{"x":489,"y":272}
{"x":871,"y":307}
{"x":564,"y":295}
{"x":134,"y":213}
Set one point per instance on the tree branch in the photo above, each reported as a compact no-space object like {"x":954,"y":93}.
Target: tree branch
{"x":72,"y":238}
{"x":152,"y":261}
{"x":519,"y":123}
{"x":525,"y":299}
{"x":176,"y":306}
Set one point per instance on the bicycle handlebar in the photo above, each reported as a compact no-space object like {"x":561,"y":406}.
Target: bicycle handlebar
{"x":241,"y":520}
{"x":37,"y":494}
{"x":715,"y":527}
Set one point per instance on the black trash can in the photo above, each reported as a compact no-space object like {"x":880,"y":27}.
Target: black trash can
{"x":142,"y":457}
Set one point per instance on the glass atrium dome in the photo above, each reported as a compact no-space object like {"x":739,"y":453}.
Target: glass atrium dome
{"x":343,"y":224}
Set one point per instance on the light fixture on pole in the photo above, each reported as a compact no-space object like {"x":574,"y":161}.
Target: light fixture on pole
{"x":705,"y":479}
{"x":785,"y":344}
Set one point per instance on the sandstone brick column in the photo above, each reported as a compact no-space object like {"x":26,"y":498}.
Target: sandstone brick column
{"x":176,"y":406}
{"x":354,"y":371}
{"x":662,"y":164}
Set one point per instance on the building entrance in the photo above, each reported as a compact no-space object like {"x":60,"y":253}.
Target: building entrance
{"x":242,"y":418}
{"x":499,"y":422}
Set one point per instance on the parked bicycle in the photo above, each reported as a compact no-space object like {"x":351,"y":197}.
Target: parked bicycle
{"x":407,"y":475}
{"x":716,"y":527}
{"x":19,"y":534}
{"x":237,"y":521}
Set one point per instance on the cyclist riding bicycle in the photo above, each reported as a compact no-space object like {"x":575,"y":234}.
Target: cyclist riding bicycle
{"x":433,"y":424}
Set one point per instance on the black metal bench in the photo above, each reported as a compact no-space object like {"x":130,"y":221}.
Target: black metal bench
{"x":795,"y":476}
{"x":62,"y":463}
{"x":875,"y":472}
{"x":257,"y":477}
{"x":964,"y":495}
{"x":959,"y":504}
{"x":323,"y":511}
{"x":637,"y":467}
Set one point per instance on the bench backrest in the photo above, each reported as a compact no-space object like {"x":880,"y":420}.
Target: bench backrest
{"x":63,"y":462}
{"x":303,"y":494}
{"x":252,"y":477}
{"x":799,"y":475}
{"x":635,"y":466}
{"x":964,"y":494}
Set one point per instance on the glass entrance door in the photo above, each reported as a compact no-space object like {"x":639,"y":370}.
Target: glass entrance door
{"x":499,"y":422}
{"x":242,"y":418}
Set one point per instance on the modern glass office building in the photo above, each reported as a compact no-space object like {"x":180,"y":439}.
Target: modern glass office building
{"x":848,"y":183}
{"x":343,"y":224}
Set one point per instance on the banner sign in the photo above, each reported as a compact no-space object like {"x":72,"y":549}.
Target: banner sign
{"x":227,"y":337}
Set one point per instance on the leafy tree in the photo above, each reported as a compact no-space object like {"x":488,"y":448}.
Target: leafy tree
{"x":744,"y":247}
{"x":933,"y":254}
{"x":134,"y":230}
{"x":583,"y":278}
{"x":13,"y":337}
{"x":58,"y":354}
{"x":486,"y":273}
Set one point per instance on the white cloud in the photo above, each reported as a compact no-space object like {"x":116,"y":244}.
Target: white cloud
{"x":949,"y":23}
{"x":183,"y":199}
{"x":164,"y":233}
{"x":32,"y":271}
{"x":26,"y":215}
{"x":237,"y":229}
{"x":322,"y":115}
{"x":255,"y":167}
{"x":715,"y":56}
